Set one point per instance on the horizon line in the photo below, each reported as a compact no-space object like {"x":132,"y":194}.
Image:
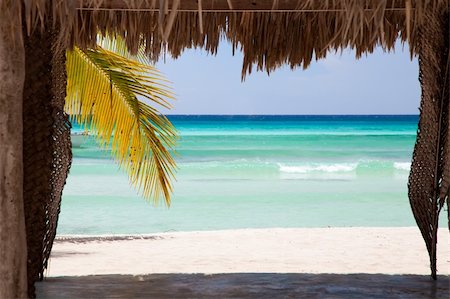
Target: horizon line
{"x":184,"y":114}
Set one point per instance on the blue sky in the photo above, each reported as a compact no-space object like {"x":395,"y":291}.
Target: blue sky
{"x":381,"y":83}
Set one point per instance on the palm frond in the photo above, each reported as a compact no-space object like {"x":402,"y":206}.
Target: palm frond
{"x":118,"y":45}
{"x":102,"y":94}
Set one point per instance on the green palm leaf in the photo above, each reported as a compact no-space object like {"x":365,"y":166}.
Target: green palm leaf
{"x":102,"y":93}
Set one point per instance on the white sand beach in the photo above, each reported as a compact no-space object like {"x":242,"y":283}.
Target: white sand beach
{"x":277,"y":250}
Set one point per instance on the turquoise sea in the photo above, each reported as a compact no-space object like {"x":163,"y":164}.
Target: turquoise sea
{"x":255,"y":172}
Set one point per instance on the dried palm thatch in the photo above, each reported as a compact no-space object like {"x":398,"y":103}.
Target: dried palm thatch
{"x":295,"y":36}
{"x":271,"y":33}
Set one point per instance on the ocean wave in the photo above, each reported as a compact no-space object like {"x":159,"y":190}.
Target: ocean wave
{"x":402,"y":165}
{"x":362,"y":167}
{"x":358,"y":167}
{"x":318,"y":168}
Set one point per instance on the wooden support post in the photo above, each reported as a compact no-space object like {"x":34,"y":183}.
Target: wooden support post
{"x":13,"y":250}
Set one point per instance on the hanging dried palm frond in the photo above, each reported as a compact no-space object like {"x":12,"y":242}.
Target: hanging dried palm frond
{"x":47,"y":152}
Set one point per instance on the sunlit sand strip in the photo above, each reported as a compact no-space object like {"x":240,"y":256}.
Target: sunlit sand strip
{"x":277,"y":250}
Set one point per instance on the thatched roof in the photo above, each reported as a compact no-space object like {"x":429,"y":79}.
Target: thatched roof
{"x":269,"y":32}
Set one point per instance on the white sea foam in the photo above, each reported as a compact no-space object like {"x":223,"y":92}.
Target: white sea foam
{"x":340,"y":167}
{"x":402,"y":165}
{"x":344,"y":167}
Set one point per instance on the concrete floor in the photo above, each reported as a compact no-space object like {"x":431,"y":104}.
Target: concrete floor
{"x":246,"y":285}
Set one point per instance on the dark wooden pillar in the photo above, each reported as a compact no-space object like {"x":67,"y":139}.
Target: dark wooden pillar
{"x":13,"y":251}
{"x":430,"y":171}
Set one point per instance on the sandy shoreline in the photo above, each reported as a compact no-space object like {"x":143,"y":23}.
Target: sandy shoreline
{"x":278,"y":250}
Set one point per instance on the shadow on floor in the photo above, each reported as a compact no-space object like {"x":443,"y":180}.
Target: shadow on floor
{"x":245,"y":285}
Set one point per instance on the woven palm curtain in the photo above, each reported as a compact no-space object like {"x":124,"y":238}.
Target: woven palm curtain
{"x":429,"y":179}
{"x":46,"y":146}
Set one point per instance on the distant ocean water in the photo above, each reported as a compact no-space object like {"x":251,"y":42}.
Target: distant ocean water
{"x":255,"y":172}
